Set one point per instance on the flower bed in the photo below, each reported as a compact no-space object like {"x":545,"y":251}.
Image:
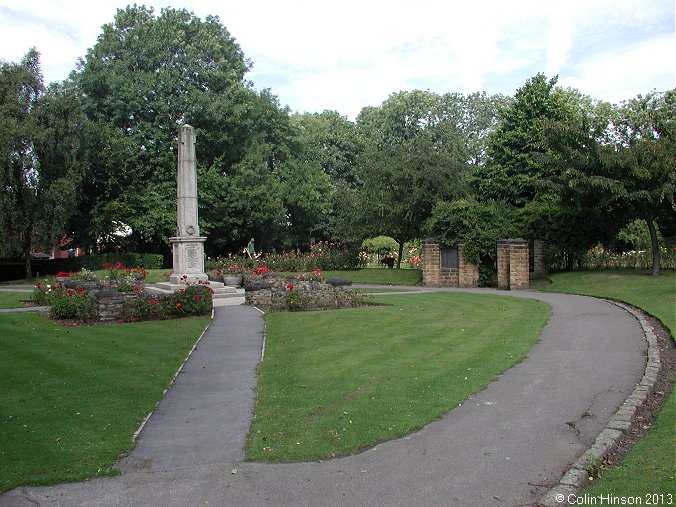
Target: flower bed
{"x":274,"y":292}
{"x":121,"y":299}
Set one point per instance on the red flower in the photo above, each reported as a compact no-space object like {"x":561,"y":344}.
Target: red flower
{"x":120,"y":321}
{"x":289,"y":287}
{"x":153,"y":301}
{"x":63,"y":274}
{"x":197,"y":298}
{"x":178,"y":305}
{"x":71,"y":292}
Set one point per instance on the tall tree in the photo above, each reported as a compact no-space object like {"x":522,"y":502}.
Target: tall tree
{"x":413,"y":157}
{"x":513,"y":170}
{"x":42,"y":158}
{"x":641,"y":163}
{"x":145,"y":75}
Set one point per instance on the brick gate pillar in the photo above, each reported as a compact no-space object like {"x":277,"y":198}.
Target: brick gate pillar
{"x":519,"y":276}
{"x":431,"y":263}
{"x":503,"y":264}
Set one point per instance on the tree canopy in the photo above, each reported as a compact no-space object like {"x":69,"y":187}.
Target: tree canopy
{"x":96,"y":155}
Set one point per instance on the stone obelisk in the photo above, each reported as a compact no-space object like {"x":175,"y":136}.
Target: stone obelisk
{"x":187,"y":245}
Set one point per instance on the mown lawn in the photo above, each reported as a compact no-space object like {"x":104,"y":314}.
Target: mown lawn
{"x":335,"y":382}
{"x":650,"y":466}
{"x":71,"y":397}
{"x":384,"y":276}
{"x":14,"y":299}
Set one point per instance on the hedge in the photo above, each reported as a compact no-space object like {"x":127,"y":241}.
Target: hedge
{"x":71,"y":264}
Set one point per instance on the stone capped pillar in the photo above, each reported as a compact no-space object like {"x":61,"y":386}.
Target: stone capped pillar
{"x":431,"y":263}
{"x":503,"y":264}
{"x":513,"y":264}
{"x":187,"y":245}
{"x":519,"y":276}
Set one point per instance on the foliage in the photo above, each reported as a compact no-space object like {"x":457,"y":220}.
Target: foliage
{"x":322,"y":255}
{"x":42,"y":158}
{"x":601,"y":258}
{"x":380,"y":245}
{"x":74,"y":396}
{"x":296,"y":301}
{"x":477,"y":225}
{"x":513,"y":171}
{"x":148,"y":73}
{"x":194,"y":300}
{"x":413,"y":157}
{"x":64,"y":303}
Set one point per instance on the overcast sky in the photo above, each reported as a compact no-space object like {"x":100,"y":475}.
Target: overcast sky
{"x":348,"y":54}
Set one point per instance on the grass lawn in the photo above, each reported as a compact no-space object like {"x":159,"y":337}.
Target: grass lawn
{"x":71,"y":397}
{"x":335,"y":382}
{"x":13,"y":299}
{"x":650,"y":466}
{"x":655,"y":295}
{"x":383,"y":276}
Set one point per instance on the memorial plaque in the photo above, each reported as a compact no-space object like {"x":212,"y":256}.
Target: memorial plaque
{"x":449,"y":257}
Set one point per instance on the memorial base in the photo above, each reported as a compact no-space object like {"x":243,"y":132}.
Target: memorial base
{"x":188,"y":255}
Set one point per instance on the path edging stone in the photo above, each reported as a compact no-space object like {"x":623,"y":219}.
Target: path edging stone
{"x":576,"y":476}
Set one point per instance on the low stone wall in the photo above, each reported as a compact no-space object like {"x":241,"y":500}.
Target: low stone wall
{"x":276,"y":293}
{"x":109,"y":304}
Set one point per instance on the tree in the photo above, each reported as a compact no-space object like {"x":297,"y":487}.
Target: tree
{"x":413,"y":157}
{"x":513,"y":170}
{"x":640,"y":166}
{"x":42,"y":158}
{"x":146,"y":75}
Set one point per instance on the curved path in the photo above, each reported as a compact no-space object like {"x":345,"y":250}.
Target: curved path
{"x":505,"y":446}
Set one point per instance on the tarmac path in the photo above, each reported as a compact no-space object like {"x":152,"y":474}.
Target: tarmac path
{"x":505,"y":446}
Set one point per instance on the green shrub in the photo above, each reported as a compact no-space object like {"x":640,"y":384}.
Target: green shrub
{"x":70,"y":304}
{"x":193,"y":300}
{"x":296,"y":301}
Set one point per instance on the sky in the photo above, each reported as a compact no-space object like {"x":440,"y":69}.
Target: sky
{"x":344,"y":55}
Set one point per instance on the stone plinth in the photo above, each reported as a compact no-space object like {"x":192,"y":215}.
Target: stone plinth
{"x":188,"y":260}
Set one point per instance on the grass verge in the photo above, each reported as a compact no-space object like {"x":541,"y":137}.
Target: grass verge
{"x":650,"y":466}
{"x":653,"y":294}
{"x":333,"y":383}
{"x":71,"y":397}
{"x":14,"y":299}
{"x":384,"y":276}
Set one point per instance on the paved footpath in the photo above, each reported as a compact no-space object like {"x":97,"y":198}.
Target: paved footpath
{"x":503,"y":447}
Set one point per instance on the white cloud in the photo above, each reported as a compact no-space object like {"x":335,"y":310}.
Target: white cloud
{"x":350,"y":54}
{"x":620,"y":76}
